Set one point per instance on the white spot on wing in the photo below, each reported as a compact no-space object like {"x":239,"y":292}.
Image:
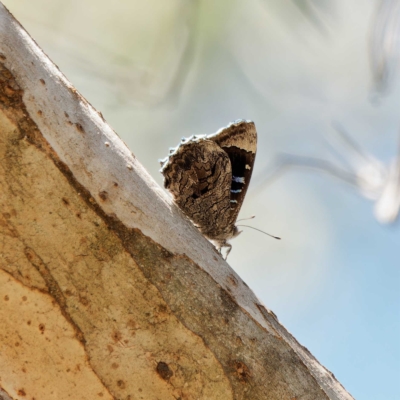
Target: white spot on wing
{"x":238,"y":179}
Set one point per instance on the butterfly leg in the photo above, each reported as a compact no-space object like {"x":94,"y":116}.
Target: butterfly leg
{"x":229,"y":246}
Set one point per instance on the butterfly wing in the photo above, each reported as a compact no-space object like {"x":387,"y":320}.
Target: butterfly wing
{"x":239,"y":141}
{"x":198,"y":174}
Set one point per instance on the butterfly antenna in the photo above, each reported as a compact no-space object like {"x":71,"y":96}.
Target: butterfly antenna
{"x":245,"y":219}
{"x":259,"y":230}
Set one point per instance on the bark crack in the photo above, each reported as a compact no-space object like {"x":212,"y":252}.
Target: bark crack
{"x":53,"y":288}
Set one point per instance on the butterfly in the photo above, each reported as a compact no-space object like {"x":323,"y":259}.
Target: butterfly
{"x":208,"y":177}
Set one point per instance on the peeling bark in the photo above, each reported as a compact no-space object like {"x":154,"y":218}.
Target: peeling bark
{"x":106,"y":290}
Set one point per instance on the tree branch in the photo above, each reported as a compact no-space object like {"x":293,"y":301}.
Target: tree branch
{"x":107,"y":289}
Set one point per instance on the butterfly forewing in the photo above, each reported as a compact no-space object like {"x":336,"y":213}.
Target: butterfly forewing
{"x":239,"y":141}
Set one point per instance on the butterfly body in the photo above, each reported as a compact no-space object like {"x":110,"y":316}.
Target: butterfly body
{"x":208,"y":177}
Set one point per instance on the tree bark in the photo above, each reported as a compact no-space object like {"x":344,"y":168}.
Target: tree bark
{"x":106,"y":289}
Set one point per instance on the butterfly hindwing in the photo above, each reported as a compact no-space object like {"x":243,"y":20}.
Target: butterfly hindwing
{"x":198,"y":175}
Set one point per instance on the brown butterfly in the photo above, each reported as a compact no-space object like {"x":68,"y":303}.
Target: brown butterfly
{"x":208,"y":176}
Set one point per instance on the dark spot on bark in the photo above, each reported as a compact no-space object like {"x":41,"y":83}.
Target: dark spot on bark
{"x":21,"y":392}
{"x":66,"y":114}
{"x":164,"y":371}
{"x":41,"y":328}
{"x":232,"y":280}
{"x":114,"y":365}
{"x":6,"y":298}
{"x":162,"y":308}
{"x":79,"y":127}
{"x":24,"y":298}
{"x":242,"y":372}
{"x":121,"y":384}
{"x":103,"y":195}
{"x":116,"y":336}
{"x":65,"y":201}
{"x":42,"y":81}
{"x":40,"y":112}
{"x":29,"y":322}
{"x":115,"y":184}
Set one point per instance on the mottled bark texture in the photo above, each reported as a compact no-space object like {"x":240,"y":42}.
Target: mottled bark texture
{"x":106,"y":290}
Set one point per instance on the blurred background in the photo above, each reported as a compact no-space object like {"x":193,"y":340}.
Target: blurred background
{"x":320,"y":80}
